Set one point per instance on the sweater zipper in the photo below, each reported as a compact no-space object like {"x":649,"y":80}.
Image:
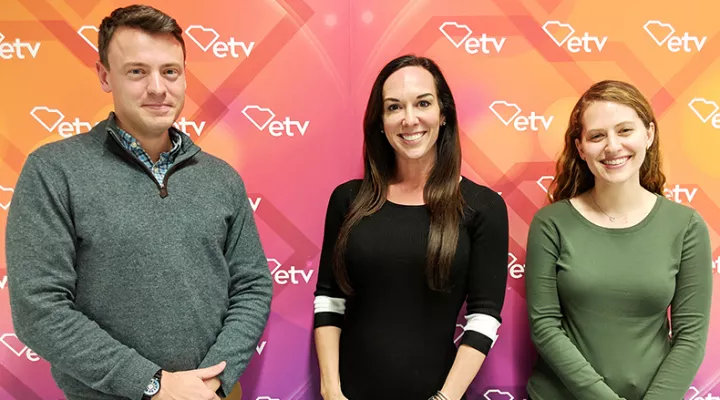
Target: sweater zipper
{"x":161,"y":186}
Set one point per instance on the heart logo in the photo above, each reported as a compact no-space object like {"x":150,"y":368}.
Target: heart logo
{"x":200,"y":34}
{"x":453,"y":30}
{"x":511,"y":259}
{"x":5,"y":197}
{"x":459,"y":331}
{"x":44,"y":114}
{"x":544,"y":182}
{"x":693,"y":392}
{"x":704,"y":109}
{"x":11,"y":341}
{"x":558,"y":32}
{"x":501,"y":109}
{"x":2,"y":37}
{"x":497,"y":394}
{"x":260,"y":114}
{"x":657,"y":30}
{"x":89,"y":34}
{"x":274,"y":265}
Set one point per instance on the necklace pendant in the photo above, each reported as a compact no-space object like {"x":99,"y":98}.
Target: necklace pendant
{"x":612,"y":219}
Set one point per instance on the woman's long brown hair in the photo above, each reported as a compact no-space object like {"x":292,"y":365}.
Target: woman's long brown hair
{"x":442,"y":190}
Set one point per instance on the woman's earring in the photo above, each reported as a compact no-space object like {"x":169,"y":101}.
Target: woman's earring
{"x":443,"y":123}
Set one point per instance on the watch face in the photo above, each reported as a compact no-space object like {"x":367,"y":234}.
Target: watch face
{"x":153,"y":387}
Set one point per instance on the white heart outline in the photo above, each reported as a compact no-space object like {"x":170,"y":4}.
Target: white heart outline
{"x":277,"y":265}
{"x":82,"y":35}
{"x":460,"y":26}
{"x":461,"y":326}
{"x":561,"y":25}
{"x":494,"y":103}
{"x":256,"y":107}
{"x":204,"y":29}
{"x":9,"y":346}
{"x":514,"y":257}
{"x":8,"y":189}
{"x":542,"y":178}
{"x":498,"y":391}
{"x":50,"y":110}
{"x":661,"y":24}
{"x":704,"y":101}
{"x":694,"y":395}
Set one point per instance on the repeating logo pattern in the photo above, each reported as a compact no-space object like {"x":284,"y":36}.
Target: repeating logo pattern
{"x":300,"y":72}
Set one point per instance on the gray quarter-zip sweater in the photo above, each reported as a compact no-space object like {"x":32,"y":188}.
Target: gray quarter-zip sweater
{"x":113,"y":276}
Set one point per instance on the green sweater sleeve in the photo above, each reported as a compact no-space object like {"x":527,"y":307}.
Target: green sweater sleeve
{"x":690,"y":315}
{"x":40,"y":254}
{"x":249,"y":294}
{"x":545,"y":313}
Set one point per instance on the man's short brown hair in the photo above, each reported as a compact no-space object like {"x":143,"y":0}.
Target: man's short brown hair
{"x":146,"y":18}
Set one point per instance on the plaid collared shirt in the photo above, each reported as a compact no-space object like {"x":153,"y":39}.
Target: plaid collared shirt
{"x":161,"y":167}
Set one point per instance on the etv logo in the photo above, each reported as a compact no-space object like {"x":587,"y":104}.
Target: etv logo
{"x":17,"y":49}
{"x":562,"y":34}
{"x":262,"y":117}
{"x":695,"y":395}
{"x":5,"y":197}
{"x":207,"y":38}
{"x":11,"y":341}
{"x":517,"y":271}
{"x":485,"y":44}
{"x":254,"y":203}
{"x":92,"y":40}
{"x":52,"y":119}
{"x":541,"y":182}
{"x":509,"y":112}
{"x":662,"y":33}
{"x":497,"y":394}
{"x":283,"y":277}
{"x":680,"y":194}
{"x":705,"y":110}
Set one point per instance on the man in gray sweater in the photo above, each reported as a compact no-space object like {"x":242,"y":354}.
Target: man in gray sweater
{"x":134,"y":263}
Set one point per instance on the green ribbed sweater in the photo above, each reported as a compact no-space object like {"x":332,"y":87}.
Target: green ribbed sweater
{"x":598,"y":300}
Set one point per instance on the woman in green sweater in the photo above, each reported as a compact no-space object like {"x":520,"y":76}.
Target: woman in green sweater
{"x":607,"y":259}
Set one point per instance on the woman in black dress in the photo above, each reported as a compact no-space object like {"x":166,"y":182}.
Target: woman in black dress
{"x":404,"y":248}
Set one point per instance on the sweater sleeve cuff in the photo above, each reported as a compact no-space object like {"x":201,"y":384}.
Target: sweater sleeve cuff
{"x":481,"y":332}
{"x":328,"y":319}
{"x":138,"y":374}
{"x":329,"y":311}
{"x":478,"y":341}
{"x":226,"y":385}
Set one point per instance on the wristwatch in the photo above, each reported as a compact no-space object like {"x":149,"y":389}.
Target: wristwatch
{"x":153,"y":387}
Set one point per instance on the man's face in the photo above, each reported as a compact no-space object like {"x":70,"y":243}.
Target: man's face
{"x":147,"y":80}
